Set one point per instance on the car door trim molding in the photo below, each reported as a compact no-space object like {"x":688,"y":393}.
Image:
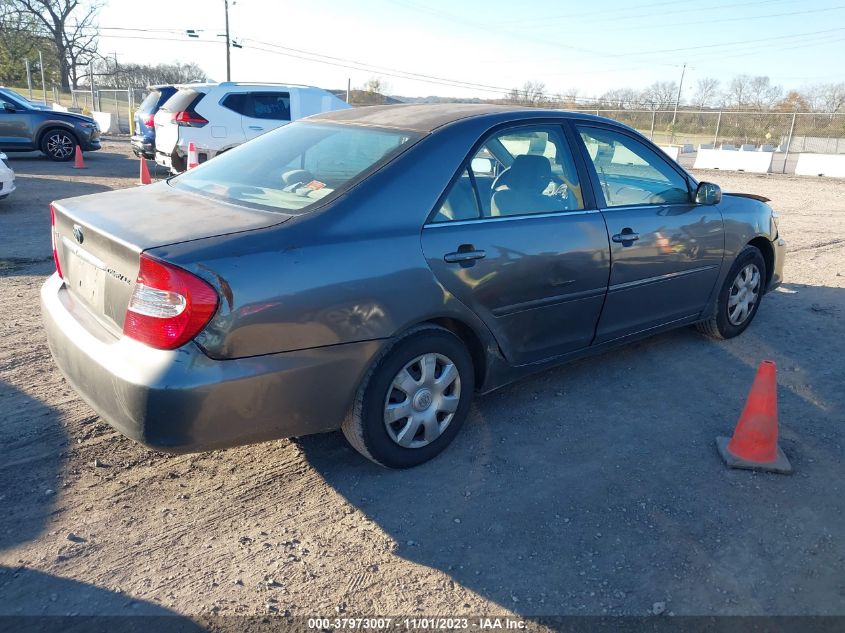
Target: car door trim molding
{"x":509,"y":218}
{"x":548,"y":301}
{"x":659,"y":278}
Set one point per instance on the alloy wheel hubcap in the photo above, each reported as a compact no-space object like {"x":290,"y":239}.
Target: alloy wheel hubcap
{"x":60,"y":145}
{"x":743,"y":295}
{"x":422,"y":400}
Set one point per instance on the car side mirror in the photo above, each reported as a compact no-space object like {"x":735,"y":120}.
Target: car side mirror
{"x":8,"y":107}
{"x":708,"y":193}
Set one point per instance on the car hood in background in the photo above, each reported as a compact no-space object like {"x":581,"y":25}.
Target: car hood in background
{"x":158,"y":215}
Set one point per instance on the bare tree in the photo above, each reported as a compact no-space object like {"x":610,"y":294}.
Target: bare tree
{"x":755,"y":92}
{"x":110,"y":74}
{"x":72,"y":27}
{"x":620,"y":98}
{"x":660,"y":94}
{"x":828,"y":97}
{"x":532,"y":93}
{"x":376,"y":85}
{"x":706,"y":92}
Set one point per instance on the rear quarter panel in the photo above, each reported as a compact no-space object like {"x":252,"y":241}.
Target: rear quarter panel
{"x":351,"y":271}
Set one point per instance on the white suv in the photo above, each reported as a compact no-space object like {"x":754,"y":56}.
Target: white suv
{"x":217,"y":117}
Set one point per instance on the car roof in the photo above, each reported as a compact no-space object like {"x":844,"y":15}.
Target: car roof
{"x":428,"y":117}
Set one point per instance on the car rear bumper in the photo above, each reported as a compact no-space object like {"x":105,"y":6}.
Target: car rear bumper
{"x":143,"y":145}
{"x":183,"y":401}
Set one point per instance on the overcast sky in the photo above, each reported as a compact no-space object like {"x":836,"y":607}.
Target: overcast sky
{"x":492,"y":44}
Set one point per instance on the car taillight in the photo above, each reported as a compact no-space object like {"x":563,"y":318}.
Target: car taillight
{"x":53,"y":241}
{"x":190,"y":119}
{"x":150,"y":121}
{"x":169,"y":306}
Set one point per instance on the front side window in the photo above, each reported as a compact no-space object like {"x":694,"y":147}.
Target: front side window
{"x":295,"y":166}
{"x":521,"y":171}
{"x":630,"y":173}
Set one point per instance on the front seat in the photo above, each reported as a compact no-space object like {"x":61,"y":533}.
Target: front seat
{"x":519,"y":189}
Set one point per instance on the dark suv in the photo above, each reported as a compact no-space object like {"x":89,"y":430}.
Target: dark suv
{"x":26,"y":127}
{"x":144,"y":140}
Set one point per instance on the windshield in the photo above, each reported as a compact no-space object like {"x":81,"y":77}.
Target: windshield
{"x":296,"y":166}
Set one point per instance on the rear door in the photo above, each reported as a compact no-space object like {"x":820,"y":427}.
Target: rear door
{"x":265,"y":111}
{"x":666,"y":251}
{"x":537,"y":272}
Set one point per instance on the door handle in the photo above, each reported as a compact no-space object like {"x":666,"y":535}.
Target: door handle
{"x":256,"y":128}
{"x":627,"y":235}
{"x":462,"y":256}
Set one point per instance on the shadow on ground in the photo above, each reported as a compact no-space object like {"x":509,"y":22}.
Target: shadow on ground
{"x":596,"y":487}
{"x":30,"y":599}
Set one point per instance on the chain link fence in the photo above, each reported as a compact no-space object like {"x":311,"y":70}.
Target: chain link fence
{"x":785,"y":133}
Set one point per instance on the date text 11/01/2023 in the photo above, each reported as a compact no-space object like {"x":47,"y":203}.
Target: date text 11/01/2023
{"x":419,"y":623}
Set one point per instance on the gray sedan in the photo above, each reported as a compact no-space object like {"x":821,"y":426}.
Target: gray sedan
{"x":371,"y":269}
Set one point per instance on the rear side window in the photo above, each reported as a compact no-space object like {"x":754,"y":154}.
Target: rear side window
{"x":271,"y":105}
{"x":148,"y":105}
{"x":236,"y":102}
{"x":184,"y":99}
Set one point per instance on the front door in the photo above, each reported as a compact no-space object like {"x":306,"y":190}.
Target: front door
{"x":666,"y":251}
{"x":524,"y":250}
{"x":15,"y":126}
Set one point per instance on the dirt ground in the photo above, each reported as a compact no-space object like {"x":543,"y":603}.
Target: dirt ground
{"x":590,"y":489}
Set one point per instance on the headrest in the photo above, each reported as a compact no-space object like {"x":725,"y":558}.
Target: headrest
{"x":529,"y":172}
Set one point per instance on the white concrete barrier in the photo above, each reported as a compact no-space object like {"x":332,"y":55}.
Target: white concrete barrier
{"x":673,"y":151}
{"x":103,"y":120}
{"x":754,"y":162}
{"x":831,"y":165}
{"x":59,"y":108}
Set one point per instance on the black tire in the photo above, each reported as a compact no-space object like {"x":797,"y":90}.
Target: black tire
{"x":720,"y":326}
{"x":55,"y":143}
{"x":365,"y":426}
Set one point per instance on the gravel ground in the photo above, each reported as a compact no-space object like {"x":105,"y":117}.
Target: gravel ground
{"x":594,"y":488}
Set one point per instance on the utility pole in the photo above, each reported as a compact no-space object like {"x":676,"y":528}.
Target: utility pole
{"x":28,"y":79}
{"x":348,"y":88}
{"x":678,"y":102}
{"x":228,"y":42}
{"x":43,"y":83}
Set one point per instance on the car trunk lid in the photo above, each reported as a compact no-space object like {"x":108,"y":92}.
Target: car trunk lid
{"x":99,"y":239}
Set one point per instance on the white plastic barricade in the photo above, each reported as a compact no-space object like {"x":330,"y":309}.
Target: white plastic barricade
{"x":673,"y":151}
{"x":831,"y":165}
{"x":103,"y":120}
{"x":755,"y":162}
{"x":59,"y":108}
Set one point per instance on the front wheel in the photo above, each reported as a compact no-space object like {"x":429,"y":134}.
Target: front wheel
{"x":59,"y":145}
{"x":739,"y":297}
{"x":414,"y":400}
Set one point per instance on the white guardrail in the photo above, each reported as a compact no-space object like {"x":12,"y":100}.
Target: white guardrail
{"x":753,"y":162}
{"x":832,"y":165}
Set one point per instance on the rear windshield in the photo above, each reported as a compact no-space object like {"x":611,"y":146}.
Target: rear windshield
{"x":296,"y":166}
{"x":184,"y":99}
{"x":150,"y":102}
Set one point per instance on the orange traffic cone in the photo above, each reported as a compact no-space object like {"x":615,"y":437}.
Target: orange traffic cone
{"x":754,"y":444}
{"x":145,"y":172}
{"x":78,"y":163}
{"x":193,"y":159}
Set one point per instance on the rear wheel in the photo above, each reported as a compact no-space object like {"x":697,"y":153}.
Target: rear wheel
{"x":739,"y":297}
{"x":414,"y":400}
{"x":58,"y":145}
